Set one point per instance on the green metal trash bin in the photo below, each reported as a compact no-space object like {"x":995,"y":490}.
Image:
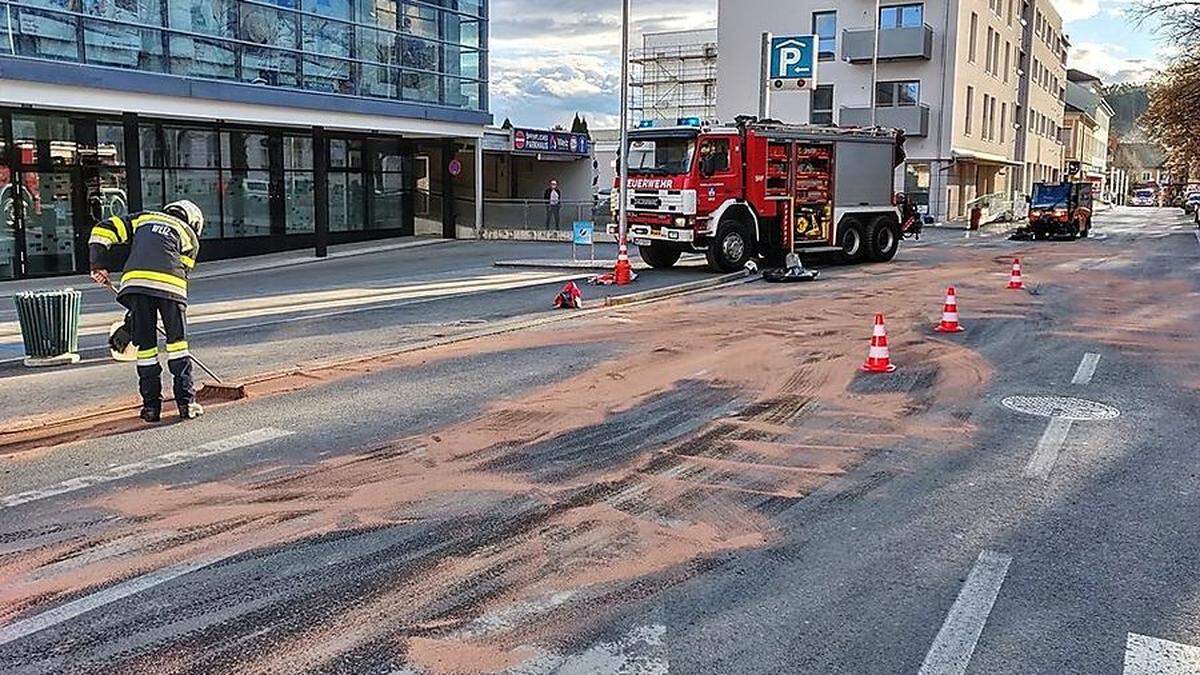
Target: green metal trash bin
{"x":49,"y":326}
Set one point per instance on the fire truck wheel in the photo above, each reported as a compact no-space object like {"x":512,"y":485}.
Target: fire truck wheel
{"x":884,"y":239}
{"x":852,"y":241}
{"x":659,"y":256}
{"x":732,"y":248}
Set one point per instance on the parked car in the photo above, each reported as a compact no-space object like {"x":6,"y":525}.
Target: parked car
{"x":1191,"y":202}
{"x":1144,"y":197}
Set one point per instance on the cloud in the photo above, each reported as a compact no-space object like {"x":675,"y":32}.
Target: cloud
{"x":1112,"y":63}
{"x":1079,"y":10}
{"x":553,"y":58}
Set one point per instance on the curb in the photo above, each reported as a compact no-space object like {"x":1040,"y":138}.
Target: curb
{"x":101,"y":416}
{"x":85,"y":284}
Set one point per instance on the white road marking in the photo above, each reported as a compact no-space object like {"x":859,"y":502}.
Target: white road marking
{"x":1046,"y":455}
{"x":160,"y":462}
{"x":955,"y":642}
{"x":63,"y":613}
{"x":1152,"y":656}
{"x":1087,"y":368}
{"x":642,"y":650}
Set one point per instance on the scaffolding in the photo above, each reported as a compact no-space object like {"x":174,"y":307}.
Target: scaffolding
{"x":674,"y":81}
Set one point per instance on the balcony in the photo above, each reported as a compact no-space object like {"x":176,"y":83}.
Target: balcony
{"x":912,"y":120}
{"x":895,"y":44}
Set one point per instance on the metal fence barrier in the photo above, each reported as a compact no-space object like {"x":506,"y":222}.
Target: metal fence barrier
{"x":537,"y":214}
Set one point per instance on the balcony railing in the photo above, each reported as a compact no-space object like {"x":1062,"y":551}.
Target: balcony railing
{"x":895,"y":44}
{"x":913,"y":120}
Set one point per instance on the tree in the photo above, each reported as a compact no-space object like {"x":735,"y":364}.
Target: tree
{"x":1178,"y":20}
{"x":583,"y":127}
{"x":1173,"y":118}
{"x":507,"y":124}
{"x":575,"y":124}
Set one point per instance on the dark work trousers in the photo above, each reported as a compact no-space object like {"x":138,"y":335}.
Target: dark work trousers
{"x":553,"y":214}
{"x":146,"y":310}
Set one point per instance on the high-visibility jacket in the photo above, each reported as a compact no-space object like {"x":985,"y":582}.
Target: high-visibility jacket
{"x":162,"y":249}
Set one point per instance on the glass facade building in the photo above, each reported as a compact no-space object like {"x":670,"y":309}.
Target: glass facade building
{"x":407,"y":50}
{"x":285,"y":120}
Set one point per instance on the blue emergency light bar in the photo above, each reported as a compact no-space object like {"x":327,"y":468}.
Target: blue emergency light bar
{"x":645,"y":124}
{"x":689,"y":122}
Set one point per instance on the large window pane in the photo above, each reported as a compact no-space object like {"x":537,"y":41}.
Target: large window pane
{"x":420,"y":87}
{"x":247,"y":204}
{"x":268,"y":26}
{"x":380,"y":81}
{"x":389,"y":201}
{"x":347,"y":202}
{"x":46,"y":35}
{"x":114,"y":44}
{"x":49,"y":225}
{"x":190,"y":147}
{"x":112,"y":199}
{"x":243,"y":150}
{"x":208,"y":17}
{"x":344,"y":153}
{"x":132,"y":11}
{"x":38,"y":134}
{"x":271,"y":67}
{"x":297,"y":152}
{"x":298,"y":196}
{"x":338,"y":9}
{"x":330,"y":38}
{"x":110,"y":143}
{"x":203,"y":187}
{"x":199,"y":57}
{"x":150,"y":145}
{"x":331,"y":75}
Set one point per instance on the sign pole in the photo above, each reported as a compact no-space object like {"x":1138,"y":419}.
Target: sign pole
{"x":623,"y":217}
{"x":764,"y":77}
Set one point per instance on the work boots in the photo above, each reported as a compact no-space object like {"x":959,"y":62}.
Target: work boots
{"x":150,"y":414}
{"x":190,"y":411}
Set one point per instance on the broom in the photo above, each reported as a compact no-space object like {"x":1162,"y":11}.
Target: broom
{"x":215,"y":391}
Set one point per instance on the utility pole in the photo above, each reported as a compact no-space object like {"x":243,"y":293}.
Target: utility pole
{"x":875,"y":68}
{"x":623,"y":156}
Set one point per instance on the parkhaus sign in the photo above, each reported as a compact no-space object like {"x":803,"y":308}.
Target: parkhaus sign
{"x":562,"y":142}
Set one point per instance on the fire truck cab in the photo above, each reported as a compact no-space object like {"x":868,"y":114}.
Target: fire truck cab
{"x":762,"y":189}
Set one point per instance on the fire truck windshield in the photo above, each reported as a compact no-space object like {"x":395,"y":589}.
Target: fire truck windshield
{"x":661,"y":155}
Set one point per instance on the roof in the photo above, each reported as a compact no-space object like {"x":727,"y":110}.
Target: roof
{"x":1074,"y":75}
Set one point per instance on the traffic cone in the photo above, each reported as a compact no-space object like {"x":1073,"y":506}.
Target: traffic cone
{"x":949,"y":322}
{"x":879,"y":359}
{"x":1014,"y":280}
{"x":623,"y":271}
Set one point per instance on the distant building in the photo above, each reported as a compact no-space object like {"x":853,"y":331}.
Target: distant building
{"x":674,"y":75}
{"x":1086,"y":129}
{"x":976,"y":85}
{"x":1143,"y":160}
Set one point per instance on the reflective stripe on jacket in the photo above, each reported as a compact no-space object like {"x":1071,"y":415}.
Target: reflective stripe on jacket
{"x":161,"y":251}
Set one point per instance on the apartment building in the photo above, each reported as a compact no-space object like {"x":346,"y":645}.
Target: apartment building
{"x":675,"y":76}
{"x":1042,"y":94}
{"x":948,"y":74}
{"x":1086,"y":129}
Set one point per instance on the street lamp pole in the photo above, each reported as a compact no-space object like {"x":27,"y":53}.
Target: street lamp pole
{"x":875,"y":67}
{"x":623,"y":155}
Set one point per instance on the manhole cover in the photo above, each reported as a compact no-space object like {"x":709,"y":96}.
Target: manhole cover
{"x":1060,"y":406}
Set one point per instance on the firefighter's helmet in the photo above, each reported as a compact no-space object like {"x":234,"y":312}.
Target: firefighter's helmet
{"x":188,"y":212}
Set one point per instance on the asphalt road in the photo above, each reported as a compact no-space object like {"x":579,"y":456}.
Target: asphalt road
{"x":585,"y":501}
{"x":255,"y":322}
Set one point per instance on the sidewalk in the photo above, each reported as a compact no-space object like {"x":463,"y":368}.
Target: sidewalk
{"x":220,"y":268}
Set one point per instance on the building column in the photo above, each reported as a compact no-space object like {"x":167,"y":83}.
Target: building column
{"x":479,"y":188}
{"x":449,"y":218}
{"x":321,"y":191}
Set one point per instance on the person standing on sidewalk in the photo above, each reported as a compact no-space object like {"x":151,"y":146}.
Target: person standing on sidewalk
{"x":162,"y":250}
{"x":553,"y":200}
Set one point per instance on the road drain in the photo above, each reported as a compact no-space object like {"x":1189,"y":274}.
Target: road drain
{"x":1065,"y":407}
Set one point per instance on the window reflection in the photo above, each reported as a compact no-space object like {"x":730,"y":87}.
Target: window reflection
{"x":393,"y":49}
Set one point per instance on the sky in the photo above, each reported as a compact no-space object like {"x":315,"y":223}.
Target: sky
{"x":553,"y":58}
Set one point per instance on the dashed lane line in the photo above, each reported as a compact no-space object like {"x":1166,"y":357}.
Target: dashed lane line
{"x":1045,"y":456}
{"x":955,"y":642}
{"x":162,"y":461}
{"x":1151,"y":656}
{"x":53,"y":617}
{"x":1087,"y":368}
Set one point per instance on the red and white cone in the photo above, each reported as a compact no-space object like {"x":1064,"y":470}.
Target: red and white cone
{"x":1014,"y":280}
{"x":879,"y":358}
{"x":949,"y":322}
{"x":623,"y":271}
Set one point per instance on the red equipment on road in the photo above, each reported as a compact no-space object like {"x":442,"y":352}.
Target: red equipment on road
{"x":949,"y":322}
{"x":1014,"y":280}
{"x":879,"y":357}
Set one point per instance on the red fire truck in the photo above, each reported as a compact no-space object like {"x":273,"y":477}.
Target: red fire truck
{"x":762,"y":188}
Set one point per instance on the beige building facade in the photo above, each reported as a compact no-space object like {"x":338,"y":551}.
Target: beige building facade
{"x":1086,"y":130}
{"x":1041,"y":105}
{"x":951,"y":75}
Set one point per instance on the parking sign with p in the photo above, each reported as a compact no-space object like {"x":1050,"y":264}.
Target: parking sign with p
{"x":794,"y":60}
